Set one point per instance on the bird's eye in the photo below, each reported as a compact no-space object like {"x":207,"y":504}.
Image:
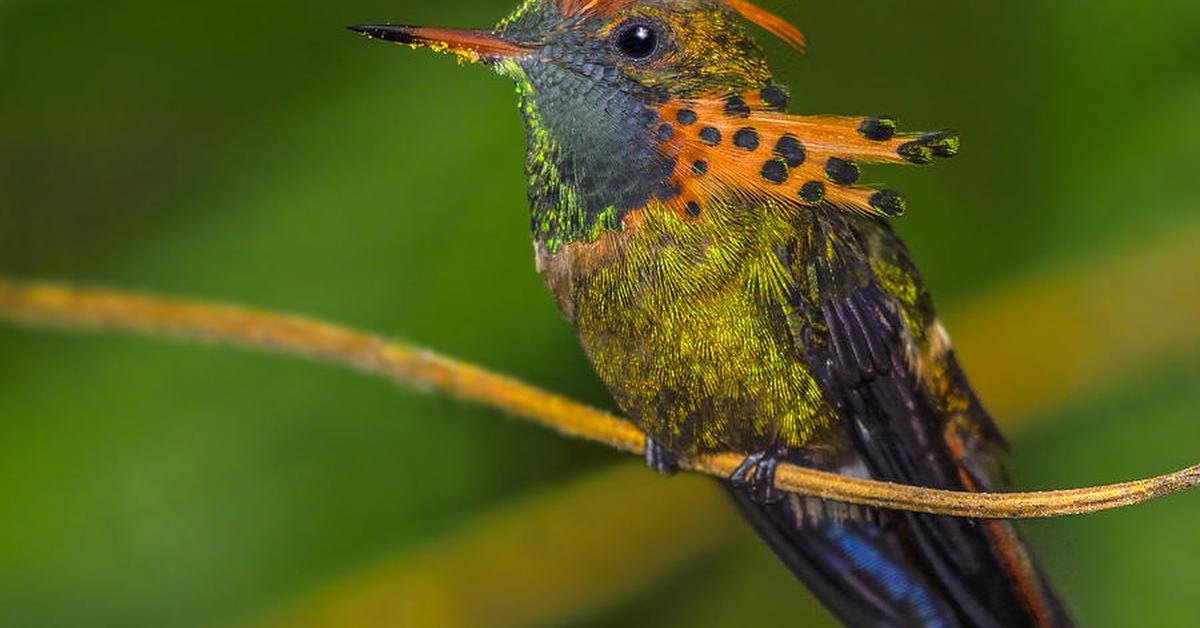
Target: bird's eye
{"x":637,"y":41}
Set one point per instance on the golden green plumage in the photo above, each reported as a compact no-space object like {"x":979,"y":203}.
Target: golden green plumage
{"x":682,"y":318}
{"x":694,"y":325}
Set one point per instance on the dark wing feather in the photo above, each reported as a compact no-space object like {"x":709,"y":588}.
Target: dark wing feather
{"x":865,"y":345}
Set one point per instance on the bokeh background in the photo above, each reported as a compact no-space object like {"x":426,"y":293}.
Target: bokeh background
{"x":254,"y":152}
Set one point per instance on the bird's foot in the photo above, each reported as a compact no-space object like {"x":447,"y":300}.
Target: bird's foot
{"x":756,"y":475}
{"x":659,"y":458}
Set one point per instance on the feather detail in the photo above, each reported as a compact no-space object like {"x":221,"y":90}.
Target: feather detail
{"x":770,"y":22}
{"x":744,"y":143}
{"x":777,"y":26}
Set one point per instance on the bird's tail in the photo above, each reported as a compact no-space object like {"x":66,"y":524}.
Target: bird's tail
{"x":870,"y":568}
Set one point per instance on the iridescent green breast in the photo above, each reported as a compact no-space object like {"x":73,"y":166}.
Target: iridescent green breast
{"x":686,"y":320}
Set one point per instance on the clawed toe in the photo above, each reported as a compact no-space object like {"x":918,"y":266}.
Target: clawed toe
{"x":659,"y":458}
{"x":756,"y":474}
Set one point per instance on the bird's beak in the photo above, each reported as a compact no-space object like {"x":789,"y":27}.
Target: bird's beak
{"x":472,"y":45}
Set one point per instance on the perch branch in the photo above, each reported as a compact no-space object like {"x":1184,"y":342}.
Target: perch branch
{"x":43,"y":304}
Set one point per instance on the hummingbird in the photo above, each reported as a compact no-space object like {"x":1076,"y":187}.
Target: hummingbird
{"x":738,"y":290}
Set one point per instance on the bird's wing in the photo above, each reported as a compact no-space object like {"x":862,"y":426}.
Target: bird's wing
{"x":864,"y":322}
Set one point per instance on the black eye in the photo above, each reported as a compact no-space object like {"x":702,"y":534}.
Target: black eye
{"x":637,"y":41}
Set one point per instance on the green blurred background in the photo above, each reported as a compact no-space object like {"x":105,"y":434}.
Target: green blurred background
{"x":254,"y":152}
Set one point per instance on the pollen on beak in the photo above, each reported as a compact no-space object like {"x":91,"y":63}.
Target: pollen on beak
{"x":472,"y":45}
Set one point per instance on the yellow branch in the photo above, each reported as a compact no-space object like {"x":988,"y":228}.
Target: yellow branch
{"x":50,"y":304}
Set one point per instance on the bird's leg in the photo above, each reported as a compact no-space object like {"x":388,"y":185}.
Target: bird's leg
{"x":756,"y":474}
{"x":659,"y":458}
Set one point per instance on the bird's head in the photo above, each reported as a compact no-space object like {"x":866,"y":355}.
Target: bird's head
{"x":629,"y":103}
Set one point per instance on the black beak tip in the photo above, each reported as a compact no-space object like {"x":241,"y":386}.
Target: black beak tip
{"x":387,"y":32}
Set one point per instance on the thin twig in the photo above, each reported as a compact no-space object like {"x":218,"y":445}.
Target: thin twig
{"x":62,"y":306}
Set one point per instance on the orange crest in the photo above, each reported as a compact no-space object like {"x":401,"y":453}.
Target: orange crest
{"x":746,"y":144}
